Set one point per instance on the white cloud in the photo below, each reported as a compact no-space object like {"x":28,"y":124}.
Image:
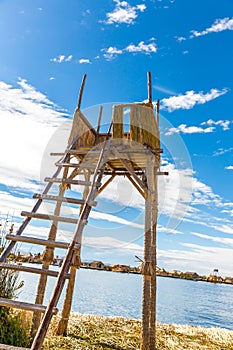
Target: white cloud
{"x":84,"y":61}
{"x":227,"y":241}
{"x":112,"y":243}
{"x":111,"y":52}
{"x":190,"y":99}
{"x":183,"y":128}
{"x":223,"y":228}
{"x":202,"y":259}
{"x":124,"y":13}
{"x":229,"y":167}
{"x":223,"y":123}
{"x":28,"y":119}
{"x":61,"y":58}
{"x":218,"y":26}
{"x":142,"y":47}
{"x":222,"y":151}
{"x":112,"y":218}
{"x":180,"y":38}
{"x":168,"y":230}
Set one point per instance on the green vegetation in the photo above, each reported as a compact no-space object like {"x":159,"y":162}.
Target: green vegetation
{"x":105,"y":333}
{"x":14,"y":326}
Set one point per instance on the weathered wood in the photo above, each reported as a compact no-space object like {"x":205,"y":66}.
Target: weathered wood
{"x":166,"y":173}
{"x":25,"y":306}
{"x":30,"y":269}
{"x":48,"y":256}
{"x":106,"y":183}
{"x":44,"y":242}
{"x":49,"y":217}
{"x":62,"y":199}
{"x":152,"y":185}
{"x":130,"y":169}
{"x":149,"y":87}
{"x":76,"y":165}
{"x":144,"y":195}
{"x":81,"y":91}
{"x":38,"y":340}
{"x":67,"y":181}
{"x":89,"y":150}
{"x":157,"y":112}
{"x":11,"y":347}
{"x":99,"y":124}
{"x":118,"y":123}
{"x":24,"y":224}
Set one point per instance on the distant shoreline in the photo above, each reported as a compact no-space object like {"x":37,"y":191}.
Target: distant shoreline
{"x":190,"y":276}
{"x":121,"y":268}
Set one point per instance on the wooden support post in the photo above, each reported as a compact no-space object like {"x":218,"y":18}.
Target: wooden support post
{"x":63,"y":323}
{"x":149,"y":87}
{"x":152,"y":184}
{"x":149,"y":266}
{"x":157,"y":112}
{"x":81,"y":92}
{"x":99,"y":123}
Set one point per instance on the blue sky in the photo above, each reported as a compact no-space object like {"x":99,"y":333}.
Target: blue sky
{"x":47,"y":46}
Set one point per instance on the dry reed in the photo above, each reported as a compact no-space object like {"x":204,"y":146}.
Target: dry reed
{"x":88,"y":332}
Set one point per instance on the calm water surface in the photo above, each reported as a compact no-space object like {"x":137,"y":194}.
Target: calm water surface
{"x":116,"y":294}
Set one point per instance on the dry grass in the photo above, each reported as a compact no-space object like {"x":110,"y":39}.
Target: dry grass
{"x":118,"y":333}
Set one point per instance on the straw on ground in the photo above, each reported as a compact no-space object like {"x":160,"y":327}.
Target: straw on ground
{"x":118,"y":333}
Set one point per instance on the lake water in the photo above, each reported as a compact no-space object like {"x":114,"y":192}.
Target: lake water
{"x":116,"y":294}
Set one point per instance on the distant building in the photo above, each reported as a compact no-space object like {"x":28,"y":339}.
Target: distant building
{"x":191,"y":275}
{"x":99,"y":265}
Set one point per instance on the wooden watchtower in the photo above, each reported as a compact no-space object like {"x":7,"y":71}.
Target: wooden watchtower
{"x":92,"y":160}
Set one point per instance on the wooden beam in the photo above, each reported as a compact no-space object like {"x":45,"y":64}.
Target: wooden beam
{"x":25,"y":306}
{"x":48,"y":197}
{"x":81,"y":91}
{"x":157,"y":112}
{"x":76,"y":165}
{"x":144,"y":195}
{"x":29,"y":269}
{"x":99,"y":120}
{"x":130,"y":170}
{"x":48,"y":217}
{"x":67,"y":181}
{"x":11,"y":347}
{"x":44,"y":242}
{"x":106,"y":183}
{"x":149,"y":87}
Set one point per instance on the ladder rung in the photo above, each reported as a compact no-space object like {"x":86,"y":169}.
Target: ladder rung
{"x":166,"y":173}
{"x":62,"y":199}
{"x":57,"y":154}
{"x":45,"y":242}
{"x":72,"y":182}
{"x":76,"y":165}
{"x":11,"y":347}
{"x":31,"y":270}
{"x":49,"y":217}
{"x":25,"y":306}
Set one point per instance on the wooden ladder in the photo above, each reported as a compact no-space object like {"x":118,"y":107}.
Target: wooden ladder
{"x":86,"y":203}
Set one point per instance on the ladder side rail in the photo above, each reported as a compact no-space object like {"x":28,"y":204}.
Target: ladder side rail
{"x":24,"y":224}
